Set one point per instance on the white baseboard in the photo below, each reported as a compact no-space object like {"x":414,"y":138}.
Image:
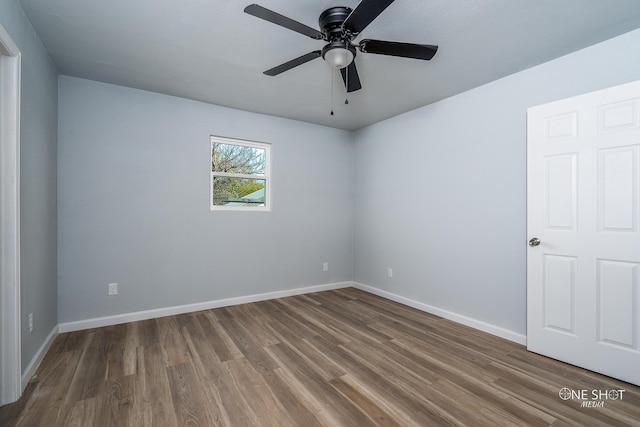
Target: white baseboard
{"x":468,"y":321}
{"x":98,"y":322}
{"x":37,"y":358}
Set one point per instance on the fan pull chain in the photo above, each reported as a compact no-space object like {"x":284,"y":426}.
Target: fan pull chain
{"x":346,"y":85}
{"x":332,"y":73}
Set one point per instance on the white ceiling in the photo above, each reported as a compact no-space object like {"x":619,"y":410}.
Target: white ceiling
{"x":210,"y":50}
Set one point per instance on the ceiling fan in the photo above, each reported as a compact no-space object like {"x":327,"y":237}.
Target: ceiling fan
{"x":339,"y":26}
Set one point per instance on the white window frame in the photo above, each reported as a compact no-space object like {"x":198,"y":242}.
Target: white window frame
{"x":266,"y":177}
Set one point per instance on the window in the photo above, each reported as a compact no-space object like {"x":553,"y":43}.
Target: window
{"x":240,"y":175}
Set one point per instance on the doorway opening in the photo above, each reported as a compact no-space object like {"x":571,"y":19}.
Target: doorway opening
{"x":10,"y":345}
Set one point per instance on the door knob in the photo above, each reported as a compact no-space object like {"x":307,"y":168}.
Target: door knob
{"x":534,"y":242}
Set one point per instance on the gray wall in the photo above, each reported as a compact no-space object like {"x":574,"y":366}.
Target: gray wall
{"x":133,"y":204}
{"x":440,"y":192}
{"x":38,"y":139}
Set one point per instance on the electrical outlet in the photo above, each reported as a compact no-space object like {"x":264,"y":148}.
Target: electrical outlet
{"x":325,"y":266}
{"x":30,"y":322}
{"x":389,"y":272}
{"x":113,"y":289}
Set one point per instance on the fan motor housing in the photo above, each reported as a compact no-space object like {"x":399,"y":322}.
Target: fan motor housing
{"x":330,"y":21}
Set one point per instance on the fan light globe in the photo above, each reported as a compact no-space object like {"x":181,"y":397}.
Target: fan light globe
{"x":338,"y":57}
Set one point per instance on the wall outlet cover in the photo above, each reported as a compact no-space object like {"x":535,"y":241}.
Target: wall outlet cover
{"x":113,"y":289}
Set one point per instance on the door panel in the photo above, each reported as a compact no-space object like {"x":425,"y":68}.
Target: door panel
{"x":583,"y":196}
{"x":562,"y":126}
{"x":560,"y":292}
{"x":619,"y":116}
{"x":617,"y":286}
{"x":617,"y":197}
{"x":560,"y":195}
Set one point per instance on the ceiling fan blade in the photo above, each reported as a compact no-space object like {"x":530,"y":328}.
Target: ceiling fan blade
{"x":350,"y":77}
{"x":406,"y":50}
{"x":271,"y":16}
{"x":364,"y":14}
{"x":293,"y":63}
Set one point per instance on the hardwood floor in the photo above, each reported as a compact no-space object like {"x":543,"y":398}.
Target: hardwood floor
{"x":335,"y":358}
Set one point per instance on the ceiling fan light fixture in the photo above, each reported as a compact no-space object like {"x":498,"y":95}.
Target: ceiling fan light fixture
{"x":338,"y":53}
{"x":338,"y":57}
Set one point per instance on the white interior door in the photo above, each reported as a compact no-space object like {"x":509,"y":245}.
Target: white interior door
{"x":583,"y":200}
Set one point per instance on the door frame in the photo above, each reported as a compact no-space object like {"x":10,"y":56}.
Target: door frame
{"x":10,"y":342}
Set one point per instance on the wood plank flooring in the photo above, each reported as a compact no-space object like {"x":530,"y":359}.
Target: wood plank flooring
{"x":335,"y":358}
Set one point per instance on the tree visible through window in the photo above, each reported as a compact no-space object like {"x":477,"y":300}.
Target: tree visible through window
{"x":239,"y":175}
